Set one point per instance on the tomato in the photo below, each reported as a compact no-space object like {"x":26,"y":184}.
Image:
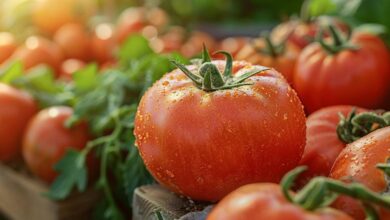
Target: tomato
{"x":301,"y":33}
{"x":194,"y":44}
{"x":170,"y":41}
{"x":324,"y":78}
{"x":49,"y":15}
{"x":322,"y":142}
{"x":16,"y":109}
{"x":38,"y":50}
{"x":264,"y":52}
{"x":103,"y":43}
{"x":204,"y":142}
{"x":70,"y":66}
{"x":74,"y":41}
{"x":47,"y":139}
{"x":130,"y":21}
{"x":7,"y":46}
{"x":357,"y":163}
{"x":266,"y":201}
{"x":135,"y":19}
{"x":233,"y":44}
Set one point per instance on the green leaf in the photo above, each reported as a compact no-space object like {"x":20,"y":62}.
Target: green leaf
{"x":73,"y":173}
{"x":134,"y":173}
{"x":11,"y":72}
{"x":86,"y":78}
{"x":347,"y":7}
{"x":320,"y":7}
{"x":40,"y":78}
{"x":134,"y":47}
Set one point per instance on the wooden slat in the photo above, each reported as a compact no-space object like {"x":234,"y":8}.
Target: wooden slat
{"x":151,"y":198}
{"x":21,"y":198}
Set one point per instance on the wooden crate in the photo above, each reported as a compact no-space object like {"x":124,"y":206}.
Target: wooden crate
{"x":21,"y":198}
{"x":151,"y":198}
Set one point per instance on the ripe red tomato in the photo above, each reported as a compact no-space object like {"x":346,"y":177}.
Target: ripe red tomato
{"x":301,"y":33}
{"x":7,"y":46}
{"x":233,"y":44}
{"x":280,"y":57}
{"x":103,"y":43}
{"x":266,"y":201}
{"x":135,"y":19}
{"x":16,"y":109}
{"x":47,"y":139}
{"x":48,"y":15}
{"x":204,"y":144}
{"x":323,"y":79}
{"x":322,"y":142}
{"x":38,"y":50}
{"x":195,"y":43}
{"x":357,"y":162}
{"x":74,"y":41}
{"x":69,"y":67}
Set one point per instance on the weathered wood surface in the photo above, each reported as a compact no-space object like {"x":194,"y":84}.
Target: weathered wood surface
{"x":150,"y":199}
{"x":21,"y":198}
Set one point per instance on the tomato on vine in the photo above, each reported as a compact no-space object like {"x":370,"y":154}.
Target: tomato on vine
{"x":339,"y":73}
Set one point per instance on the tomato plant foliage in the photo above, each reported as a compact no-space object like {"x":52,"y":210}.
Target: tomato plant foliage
{"x":108,"y":102}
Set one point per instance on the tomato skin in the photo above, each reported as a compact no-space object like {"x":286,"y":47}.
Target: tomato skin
{"x":284,"y":63}
{"x":233,"y":44}
{"x":303,"y":33}
{"x":266,"y":201}
{"x":17,"y":107}
{"x":322,"y":142}
{"x":204,"y":145}
{"x":38,"y":50}
{"x":103,"y":43}
{"x":358,"y":162}
{"x":49,"y":15}
{"x":7,"y":46}
{"x":74,"y":41}
{"x":321,"y":79}
{"x":69,"y":67}
{"x":46,"y":140}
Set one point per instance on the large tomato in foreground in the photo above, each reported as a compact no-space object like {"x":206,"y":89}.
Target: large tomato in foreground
{"x":357,"y":163}
{"x":16,"y":109}
{"x":266,"y":201}
{"x":206,"y":137}
{"x":339,"y":74}
{"x":47,"y":139}
{"x":323,"y":145}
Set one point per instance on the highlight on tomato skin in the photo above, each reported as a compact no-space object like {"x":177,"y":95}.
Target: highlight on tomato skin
{"x":204,"y":144}
{"x":358,"y":163}
{"x":16,"y":109}
{"x":46,"y":140}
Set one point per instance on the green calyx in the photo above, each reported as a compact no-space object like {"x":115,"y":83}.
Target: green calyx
{"x":210,"y":79}
{"x":355,"y":126}
{"x":322,"y":191}
{"x":271,"y":48}
{"x":339,"y":44}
